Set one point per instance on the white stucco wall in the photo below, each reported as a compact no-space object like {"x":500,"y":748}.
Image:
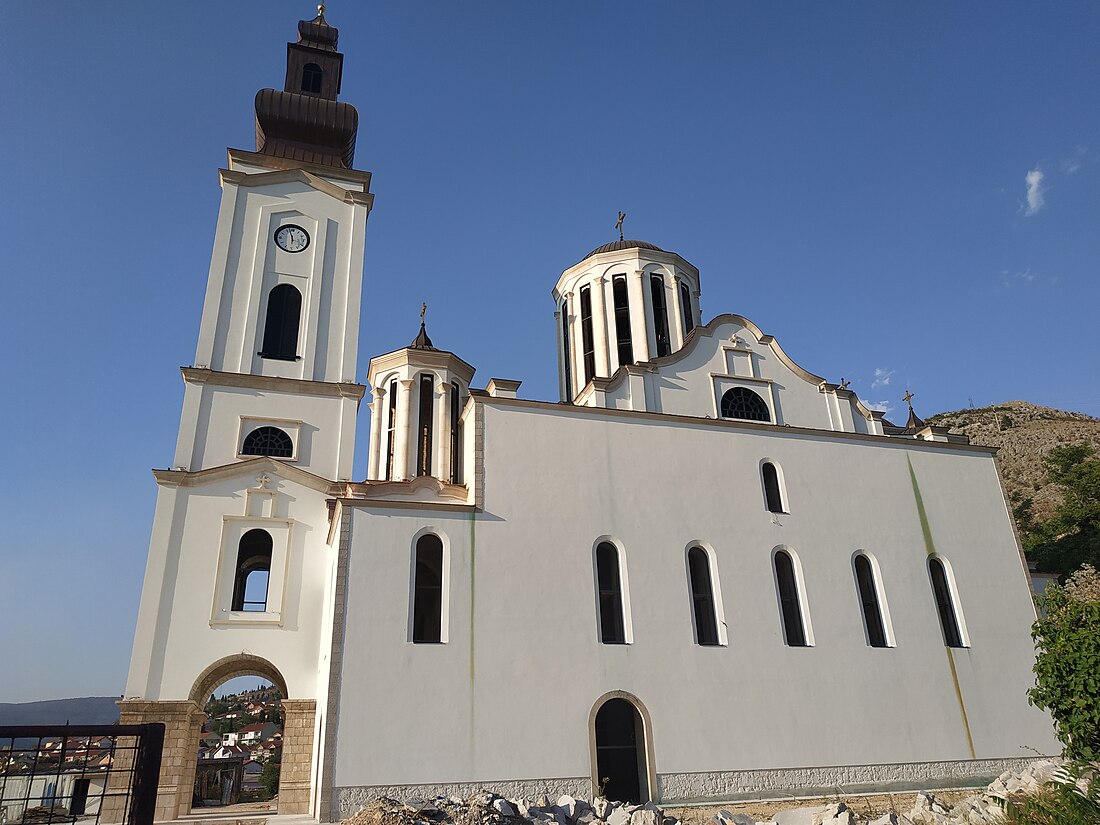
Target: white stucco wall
{"x":508,"y":696}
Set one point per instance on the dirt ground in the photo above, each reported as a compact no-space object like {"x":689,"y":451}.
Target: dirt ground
{"x":866,"y":806}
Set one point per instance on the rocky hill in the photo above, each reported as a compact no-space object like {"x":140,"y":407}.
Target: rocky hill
{"x":89,"y":710}
{"x":1024,"y":434}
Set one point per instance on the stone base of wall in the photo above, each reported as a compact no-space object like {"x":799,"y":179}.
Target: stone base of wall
{"x":717,"y":786}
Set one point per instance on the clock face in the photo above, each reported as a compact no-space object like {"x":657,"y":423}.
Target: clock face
{"x":291,"y":238}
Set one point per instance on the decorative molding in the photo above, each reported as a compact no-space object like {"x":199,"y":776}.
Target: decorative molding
{"x":295,"y":386}
{"x":248,"y":467}
{"x":241,"y":156}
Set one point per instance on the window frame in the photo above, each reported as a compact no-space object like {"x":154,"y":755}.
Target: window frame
{"x":624,"y":335}
{"x":445,"y":587}
{"x":624,"y":591}
{"x":717,"y":608}
{"x":880,"y":598}
{"x":953,"y":597}
{"x":285,"y":327}
{"x":687,"y":314}
{"x":292,"y":427}
{"x":767,"y":407}
{"x":800,"y":595}
{"x":390,"y":433}
{"x":780,"y":483}
{"x":283,"y":538}
{"x":588,"y":335}
{"x":662,"y":337}
{"x":568,"y":355}
{"x":319,"y":74}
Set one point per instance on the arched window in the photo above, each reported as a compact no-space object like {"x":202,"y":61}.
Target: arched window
{"x":660,"y":314}
{"x":311,"y":78}
{"x":773,"y":496}
{"x":741,"y":402}
{"x":268,"y":441}
{"x":456,"y":437}
{"x":568,"y":355}
{"x":588,"y":340}
{"x":610,"y":586}
{"x":253,"y":569}
{"x":941,"y":589}
{"x":424,"y":426}
{"x":794,"y":631}
{"x":284,"y":311}
{"x":391,"y":429}
{"x":868,"y":599}
{"x":687,"y":316}
{"x":427,"y":613}
{"x":623,"y":340}
{"x":619,"y":735}
{"x":702,"y":597}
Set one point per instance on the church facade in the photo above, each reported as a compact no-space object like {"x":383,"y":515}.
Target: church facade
{"x":702,"y":572}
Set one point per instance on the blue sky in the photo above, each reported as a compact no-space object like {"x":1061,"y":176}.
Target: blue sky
{"x":905,"y":195}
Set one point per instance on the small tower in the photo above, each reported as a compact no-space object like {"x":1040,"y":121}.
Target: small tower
{"x":627,"y":302}
{"x":416,"y":408}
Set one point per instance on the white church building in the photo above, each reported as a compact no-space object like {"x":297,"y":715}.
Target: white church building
{"x":702,"y":572}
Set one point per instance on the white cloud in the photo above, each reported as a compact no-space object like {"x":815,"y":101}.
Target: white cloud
{"x":1035,"y":191}
{"x":882,"y":378}
{"x":1072,"y":165}
{"x":880,"y":406}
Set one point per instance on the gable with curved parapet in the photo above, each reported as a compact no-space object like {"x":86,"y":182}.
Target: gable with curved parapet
{"x":731,"y":369}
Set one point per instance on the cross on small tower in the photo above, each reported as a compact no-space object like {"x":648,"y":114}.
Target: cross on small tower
{"x":844,"y":383}
{"x":423,"y":312}
{"x":908,"y":398}
{"x":619,"y":225}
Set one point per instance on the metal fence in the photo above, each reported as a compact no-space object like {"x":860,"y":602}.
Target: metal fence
{"x":79,"y":773}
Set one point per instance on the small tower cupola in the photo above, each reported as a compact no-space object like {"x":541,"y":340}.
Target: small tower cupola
{"x":305,"y":121}
{"x":626,"y":302}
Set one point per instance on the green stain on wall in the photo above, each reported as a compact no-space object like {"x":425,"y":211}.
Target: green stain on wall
{"x":930,"y":550}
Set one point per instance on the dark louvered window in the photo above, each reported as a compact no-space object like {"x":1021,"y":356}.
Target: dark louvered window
{"x":686,"y":314}
{"x":424,"y":427}
{"x":793,"y":630}
{"x":253,"y":570}
{"x":391,"y":429}
{"x":622,"y":321}
{"x":745,"y":404}
{"x":868,"y":599}
{"x":268,"y":441}
{"x":941,"y":589}
{"x":587,"y":338}
{"x":773,"y":498}
{"x":702,"y":597}
{"x":660,"y":314}
{"x":428,"y":591}
{"x":284,"y":311}
{"x":456,"y":438}
{"x":312,"y":75}
{"x":567,"y":355}
{"x":609,"y":584}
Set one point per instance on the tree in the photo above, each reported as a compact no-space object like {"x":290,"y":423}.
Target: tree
{"x":1067,"y":662}
{"x":269,"y":779}
{"x":1071,"y":537}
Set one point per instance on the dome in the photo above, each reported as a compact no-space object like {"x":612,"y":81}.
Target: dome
{"x":616,"y":246}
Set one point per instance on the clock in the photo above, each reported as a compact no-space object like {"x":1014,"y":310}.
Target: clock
{"x":291,"y":238}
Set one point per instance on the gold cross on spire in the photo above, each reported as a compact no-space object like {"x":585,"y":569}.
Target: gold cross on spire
{"x":908,"y":398}
{"x":619,"y":225}
{"x":320,"y":9}
{"x":423,"y":311}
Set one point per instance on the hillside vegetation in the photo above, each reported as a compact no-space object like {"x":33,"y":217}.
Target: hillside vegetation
{"x":1025,"y":434}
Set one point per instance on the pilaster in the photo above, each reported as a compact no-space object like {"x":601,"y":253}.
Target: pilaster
{"x":404,"y":423}
{"x":441,"y":460}
{"x":599,"y":327}
{"x":296,"y":768}
{"x":377,"y":410}
{"x":676,"y":326}
{"x":639,"y":317}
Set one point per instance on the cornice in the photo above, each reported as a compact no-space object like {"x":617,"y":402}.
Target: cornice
{"x":296,"y":386}
{"x":271,"y":162}
{"x":780,"y":430}
{"x":407,"y":356}
{"x":292,"y":175}
{"x":606,"y":259}
{"x":416,"y":492}
{"x":250,"y":466}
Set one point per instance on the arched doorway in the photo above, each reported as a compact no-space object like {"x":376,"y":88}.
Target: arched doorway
{"x":620,"y":749}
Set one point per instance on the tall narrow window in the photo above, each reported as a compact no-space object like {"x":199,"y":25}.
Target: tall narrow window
{"x":686,"y":315}
{"x":949,"y":621}
{"x":568,"y":354}
{"x":702,"y":597}
{"x":424,"y":425}
{"x":741,"y":402}
{"x":284,"y":311}
{"x":622,"y":321}
{"x":253,"y":569}
{"x":793,"y":629}
{"x":660,"y":314}
{"x":456,"y":438}
{"x":391,"y":429}
{"x":427,"y":614}
{"x":311,"y":78}
{"x":868,"y":599}
{"x":587,"y":338}
{"x":773,"y":497}
{"x":610,"y":586}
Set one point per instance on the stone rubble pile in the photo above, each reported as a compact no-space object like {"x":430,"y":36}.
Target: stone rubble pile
{"x":485,"y":808}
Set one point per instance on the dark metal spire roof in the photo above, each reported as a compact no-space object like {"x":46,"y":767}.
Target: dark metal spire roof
{"x":421,"y":341}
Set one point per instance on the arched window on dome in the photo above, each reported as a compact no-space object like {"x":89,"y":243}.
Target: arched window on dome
{"x":773,"y":492}
{"x":567,"y":355}
{"x":869,"y":603}
{"x":743,"y":403}
{"x":269,"y":441}
{"x":253,"y":569}
{"x":660,"y":315}
{"x":702,"y":597}
{"x":588,"y":339}
{"x":312,"y":75}
{"x":391,"y":428}
{"x":623,"y":341}
{"x":284,"y":312}
{"x":687,"y":316}
{"x":456,"y":437}
{"x":427,"y":612}
{"x":609,"y":586}
{"x":424,"y":425}
{"x":790,"y":605}
{"x":945,"y":603}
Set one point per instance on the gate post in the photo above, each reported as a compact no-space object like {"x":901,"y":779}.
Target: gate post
{"x":147,"y":774}
{"x":296,"y":770}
